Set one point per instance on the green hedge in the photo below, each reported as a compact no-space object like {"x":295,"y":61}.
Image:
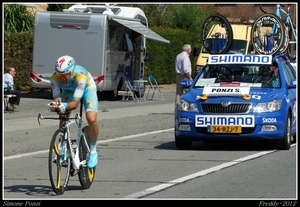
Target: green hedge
{"x":18,"y":49}
{"x":162,"y":63}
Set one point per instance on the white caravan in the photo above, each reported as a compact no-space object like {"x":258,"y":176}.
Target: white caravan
{"x":99,"y":38}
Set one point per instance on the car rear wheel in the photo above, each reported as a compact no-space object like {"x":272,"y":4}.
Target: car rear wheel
{"x":182,"y":144}
{"x":285,"y":142}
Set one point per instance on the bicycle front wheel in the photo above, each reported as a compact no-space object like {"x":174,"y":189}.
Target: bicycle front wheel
{"x":269,"y":35}
{"x":86,"y":175}
{"x":59,"y":169}
{"x":220,"y":41}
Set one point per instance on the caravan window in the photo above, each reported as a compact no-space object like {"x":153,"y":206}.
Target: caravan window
{"x":143,"y":19}
{"x":72,"y":21}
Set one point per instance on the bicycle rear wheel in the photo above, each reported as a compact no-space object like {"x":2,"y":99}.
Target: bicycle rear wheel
{"x":269,"y":35}
{"x":86,"y":175}
{"x":59,"y":170}
{"x":221,"y":41}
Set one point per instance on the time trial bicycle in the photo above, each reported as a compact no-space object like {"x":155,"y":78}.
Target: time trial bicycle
{"x":74,"y":159}
{"x":270,"y":34}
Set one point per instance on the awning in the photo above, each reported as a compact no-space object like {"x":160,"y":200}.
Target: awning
{"x":142,"y":29}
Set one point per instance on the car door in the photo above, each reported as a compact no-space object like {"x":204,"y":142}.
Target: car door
{"x":290,"y":75}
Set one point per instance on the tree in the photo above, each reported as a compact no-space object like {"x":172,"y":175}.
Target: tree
{"x":58,"y":7}
{"x":154,"y":13}
{"x":17,"y":18}
{"x":189,"y":17}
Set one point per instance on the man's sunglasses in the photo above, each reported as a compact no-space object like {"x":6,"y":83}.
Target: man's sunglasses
{"x":62,"y":74}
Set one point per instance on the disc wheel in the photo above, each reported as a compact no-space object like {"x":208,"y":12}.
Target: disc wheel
{"x":220,"y":41}
{"x":269,"y":35}
{"x":86,"y":175}
{"x":59,"y":170}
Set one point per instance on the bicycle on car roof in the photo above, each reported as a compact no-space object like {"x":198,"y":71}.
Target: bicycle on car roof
{"x":272,"y":33}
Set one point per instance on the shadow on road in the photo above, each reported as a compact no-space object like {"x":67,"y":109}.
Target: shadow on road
{"x":223,"y":146}
{"x":37,"y":190}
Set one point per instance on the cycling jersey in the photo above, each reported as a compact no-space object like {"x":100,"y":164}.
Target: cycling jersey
{"x":81,"y":85}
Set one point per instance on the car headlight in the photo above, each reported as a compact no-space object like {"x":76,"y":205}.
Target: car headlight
{"x":271,"y":106}
{"x":184,"y":105}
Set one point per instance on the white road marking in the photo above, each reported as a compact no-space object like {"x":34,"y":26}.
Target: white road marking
{"x":168,"y":184}
{"x":99,"y":142}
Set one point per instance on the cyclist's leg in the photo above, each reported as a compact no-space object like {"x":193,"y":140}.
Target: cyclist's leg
{"x":90,"y":101}
{"x":91,"y":117}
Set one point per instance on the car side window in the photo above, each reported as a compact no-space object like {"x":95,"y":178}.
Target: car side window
{"x":290,"y":69}
{"x":287,"y":74}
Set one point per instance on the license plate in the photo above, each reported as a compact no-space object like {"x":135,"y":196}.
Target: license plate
{"x":224,"y":129}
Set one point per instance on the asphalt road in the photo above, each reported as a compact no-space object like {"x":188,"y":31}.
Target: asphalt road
{"x":138,"y":160}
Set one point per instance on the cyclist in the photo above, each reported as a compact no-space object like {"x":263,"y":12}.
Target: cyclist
{"x":69,"y":84}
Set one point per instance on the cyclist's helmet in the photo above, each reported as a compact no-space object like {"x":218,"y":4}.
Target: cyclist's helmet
{"x":65,"y":64}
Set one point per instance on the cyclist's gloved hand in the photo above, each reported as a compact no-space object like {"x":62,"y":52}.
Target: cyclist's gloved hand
{"x":62,"y":108}
{"x":49,"y":105}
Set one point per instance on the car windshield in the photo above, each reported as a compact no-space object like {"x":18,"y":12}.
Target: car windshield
{"x":259,"y":76}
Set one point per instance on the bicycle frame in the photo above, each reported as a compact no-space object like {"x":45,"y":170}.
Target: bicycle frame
{"x":75,"y":156}
{"x":288,"y":21}
{"x":218,"y":41}
{"x":66,"y":127}
{"x":270,"y":34}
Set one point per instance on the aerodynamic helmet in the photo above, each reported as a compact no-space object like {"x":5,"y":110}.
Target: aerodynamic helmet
{"x":65,"y":64}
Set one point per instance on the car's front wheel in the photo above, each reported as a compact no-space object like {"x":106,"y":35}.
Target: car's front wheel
{"x":182,"y":144}
{"x":285,"y":142}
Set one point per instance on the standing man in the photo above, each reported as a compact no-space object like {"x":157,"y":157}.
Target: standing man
{"x":183,"y":69}
{"x":8,"y":79}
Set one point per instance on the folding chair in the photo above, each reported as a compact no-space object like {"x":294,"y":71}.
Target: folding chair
{"x":7,"y":95}
{"x":155,"y":89}
{"x":130,"y":90}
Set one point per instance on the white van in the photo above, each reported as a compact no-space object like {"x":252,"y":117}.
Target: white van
{"x":98,"y":39}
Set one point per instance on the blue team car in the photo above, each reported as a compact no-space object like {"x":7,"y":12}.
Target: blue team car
{"x":239,"y":97}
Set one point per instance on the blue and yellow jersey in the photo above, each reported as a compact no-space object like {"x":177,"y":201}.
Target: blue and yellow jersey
{"x":81,"y":80}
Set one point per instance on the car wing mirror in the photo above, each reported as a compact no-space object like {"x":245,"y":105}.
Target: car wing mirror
{"x":185,"y":83}
{"x":293,"y":83}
